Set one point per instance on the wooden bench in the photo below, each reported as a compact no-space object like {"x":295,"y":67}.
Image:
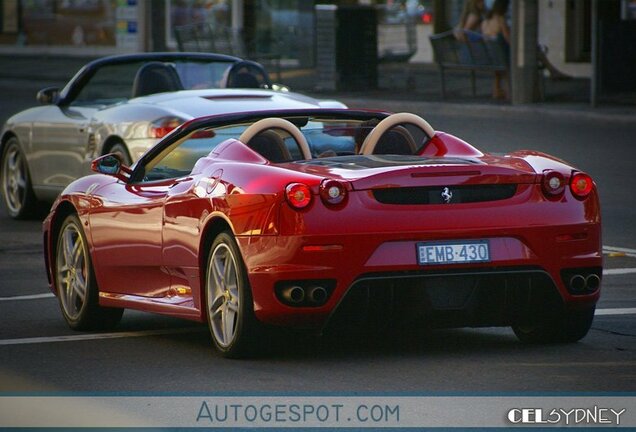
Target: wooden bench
{"x":473,"y":53}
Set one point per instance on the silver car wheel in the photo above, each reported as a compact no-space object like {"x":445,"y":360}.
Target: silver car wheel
{"x":72,"y":271}
{"x":223,"y":288}
{"x":14,"y":179}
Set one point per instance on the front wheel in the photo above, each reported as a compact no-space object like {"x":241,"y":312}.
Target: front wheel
{"x":75,"y":281}
{"x":230,"y":309}
{"x":16,"y":184}
{"x":568,"y":327}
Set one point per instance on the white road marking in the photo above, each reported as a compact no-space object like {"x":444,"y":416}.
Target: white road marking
{"x":28,"y":297}
{"x":120,"y":335}
{"x":628,"y":252}
{"x":616,"y":311}
{"x":618,"y":271}
{"x":96,"y":336}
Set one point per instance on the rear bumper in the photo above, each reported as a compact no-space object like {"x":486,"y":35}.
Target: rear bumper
{"x":524,"y":273}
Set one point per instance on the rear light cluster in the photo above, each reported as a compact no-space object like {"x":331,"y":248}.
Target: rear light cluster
{"x":163,"y":126}
{"x":581,"y":185}
{"x":554,"y":183}
{"x":298,"y":195}
{"x":332,"y":192}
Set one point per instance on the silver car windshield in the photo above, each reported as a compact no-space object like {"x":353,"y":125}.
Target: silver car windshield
{"x":116,"y":83}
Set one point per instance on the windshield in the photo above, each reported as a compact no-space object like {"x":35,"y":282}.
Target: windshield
{"x":116,"y":83}
{"x":326,"y":137}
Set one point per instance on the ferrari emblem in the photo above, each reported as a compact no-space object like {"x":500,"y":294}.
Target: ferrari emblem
{"x":447,"y":195}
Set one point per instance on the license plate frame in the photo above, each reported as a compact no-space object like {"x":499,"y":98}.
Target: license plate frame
{"x":452,"y":252}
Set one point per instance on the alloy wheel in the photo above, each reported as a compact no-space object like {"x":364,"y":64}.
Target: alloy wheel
{"x":72,"y":271}
{"x":14,"y":180}
{"x":223,"y":289}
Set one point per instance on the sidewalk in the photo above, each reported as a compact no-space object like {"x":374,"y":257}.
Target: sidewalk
{"x":401,"y":87}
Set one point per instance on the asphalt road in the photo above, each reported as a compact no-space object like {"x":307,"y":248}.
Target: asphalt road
{"x":158,"y":354}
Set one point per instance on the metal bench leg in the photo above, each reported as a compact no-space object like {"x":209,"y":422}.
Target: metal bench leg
{"x":472,"y":81}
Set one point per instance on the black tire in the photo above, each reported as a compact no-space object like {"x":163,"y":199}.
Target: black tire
{"x":74,"y":273}
{"x":122,"y":151}
{"x":15,"y":182}
{"x":228,"y":300}
{"x":568,"y":327}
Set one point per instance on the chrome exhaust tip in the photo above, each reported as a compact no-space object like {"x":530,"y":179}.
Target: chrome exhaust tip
{"x":577,"y":283}
{"x":293,"y":294}
{"x":317,"y":294}
{"x":593,"y":282}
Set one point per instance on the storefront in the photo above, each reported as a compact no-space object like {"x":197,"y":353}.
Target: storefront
{"x":79,"y":27}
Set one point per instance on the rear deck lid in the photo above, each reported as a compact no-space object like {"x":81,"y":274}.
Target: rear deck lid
{"x":396,"y":171}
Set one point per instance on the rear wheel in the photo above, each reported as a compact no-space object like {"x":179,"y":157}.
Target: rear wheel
{"x":16,"y":184}
{"x":230,"y":309}
{"x":75,"y":281}
{"x":570,"y":326}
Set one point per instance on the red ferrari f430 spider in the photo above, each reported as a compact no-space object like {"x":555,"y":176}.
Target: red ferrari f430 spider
{"x":302,"y":217}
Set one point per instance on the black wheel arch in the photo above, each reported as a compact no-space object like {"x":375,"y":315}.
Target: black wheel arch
{"x":110,"y":142}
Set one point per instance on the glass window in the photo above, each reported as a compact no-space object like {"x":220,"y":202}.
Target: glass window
{"x":113,"y":83}
{"x":216,"y":13}
{"x":179,"y":159}
{"x":328,"y":139}
{"x":69,"y":22}
{"x":110,"y":84}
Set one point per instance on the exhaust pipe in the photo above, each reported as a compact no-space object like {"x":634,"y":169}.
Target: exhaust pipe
{"x":293,"y":294}
{"x":577,"y":283}
{"x":593,"y":282}
{"x":317,"y":294}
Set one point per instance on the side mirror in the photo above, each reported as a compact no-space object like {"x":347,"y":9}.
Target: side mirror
{"x":111,"y":164}
{"x":48,"y":95}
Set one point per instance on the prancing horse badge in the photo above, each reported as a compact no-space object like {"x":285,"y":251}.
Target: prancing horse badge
{"x":447,"y":195}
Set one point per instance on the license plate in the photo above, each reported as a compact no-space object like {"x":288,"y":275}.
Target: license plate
{"x":459,"y":252}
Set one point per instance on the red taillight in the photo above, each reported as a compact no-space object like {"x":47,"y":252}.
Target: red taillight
{"x":581,"y":185}
{"x":163,"y":126}
{"x":553,"y":183}
{"x":332,"y":192}
{"x":427,"y":18}
{"x":298,"y":195}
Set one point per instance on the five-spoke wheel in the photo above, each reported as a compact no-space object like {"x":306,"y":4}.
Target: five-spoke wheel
{"x":72,"y":271}
{"x":228,"y":298}
{"x":16,"y":186}
{"x":75,"y":283}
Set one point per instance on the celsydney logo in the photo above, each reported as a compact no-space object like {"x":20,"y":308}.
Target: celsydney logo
{"x":595,"y":415}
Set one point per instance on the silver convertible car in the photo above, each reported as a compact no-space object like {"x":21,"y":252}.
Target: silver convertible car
{"x":124,"y":104}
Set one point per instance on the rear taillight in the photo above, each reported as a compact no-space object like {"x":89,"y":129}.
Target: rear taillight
{"x":553,"y":183}
{"x":163,"y":126}
{"x":581,"y":185}
{"x":298,"y":195}
{"x":332,"y":192}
